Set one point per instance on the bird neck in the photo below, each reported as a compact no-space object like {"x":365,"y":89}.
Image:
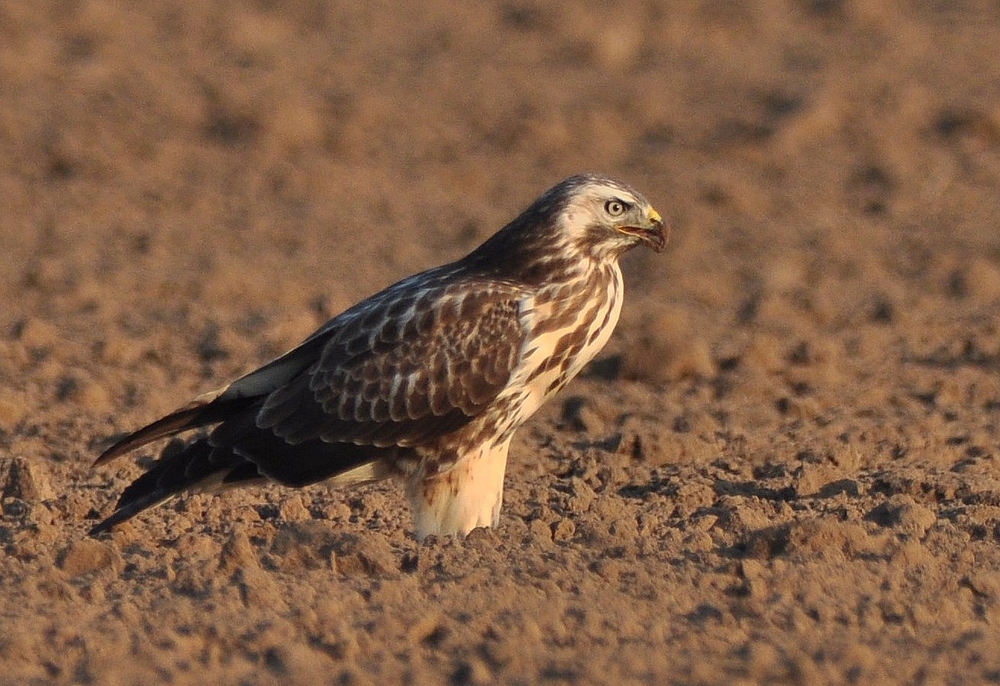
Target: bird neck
{"x":531,"y":258}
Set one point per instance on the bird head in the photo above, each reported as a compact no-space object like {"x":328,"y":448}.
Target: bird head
{"x":586,"y":218}
{"x":604,"y":217}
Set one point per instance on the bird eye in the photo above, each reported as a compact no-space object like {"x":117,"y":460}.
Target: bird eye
{"x":615,"y":207}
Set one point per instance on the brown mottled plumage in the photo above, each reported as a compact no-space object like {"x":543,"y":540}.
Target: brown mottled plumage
{"x":427,"y":380}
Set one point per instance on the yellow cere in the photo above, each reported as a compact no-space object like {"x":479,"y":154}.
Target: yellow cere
{"x":654,"y":216}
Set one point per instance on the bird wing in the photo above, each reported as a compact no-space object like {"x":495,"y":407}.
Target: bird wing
{"x":222,"y":404}
{"x":410,"y":365}
{"x":417,"y":360}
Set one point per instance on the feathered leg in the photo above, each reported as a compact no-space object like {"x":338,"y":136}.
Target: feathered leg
{"x":467,"y":496}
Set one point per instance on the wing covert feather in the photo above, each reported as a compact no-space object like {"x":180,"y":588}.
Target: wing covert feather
{"x":414,"y":366}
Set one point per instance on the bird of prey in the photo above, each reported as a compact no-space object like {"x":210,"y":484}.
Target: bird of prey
{"x":427,"y":380}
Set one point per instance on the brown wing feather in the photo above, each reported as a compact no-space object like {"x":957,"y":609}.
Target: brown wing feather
{"x":417,"y":360}
{"x":411,"y":368}
{"x":216,"y":407}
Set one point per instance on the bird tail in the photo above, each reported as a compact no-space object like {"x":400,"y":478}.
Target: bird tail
{"x":219,"y":405}
{"x":203,"y":411}
{"x":197,"y":467}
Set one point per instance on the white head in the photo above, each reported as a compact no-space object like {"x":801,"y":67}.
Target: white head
{"x":604,"y":217}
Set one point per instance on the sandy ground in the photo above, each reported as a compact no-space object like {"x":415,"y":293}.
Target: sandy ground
{"x":782,"y":470}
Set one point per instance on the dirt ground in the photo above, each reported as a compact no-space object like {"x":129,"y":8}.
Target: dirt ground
{"x":783,"y":469}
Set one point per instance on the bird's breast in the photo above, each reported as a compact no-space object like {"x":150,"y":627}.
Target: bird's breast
{"x":566,"y":325}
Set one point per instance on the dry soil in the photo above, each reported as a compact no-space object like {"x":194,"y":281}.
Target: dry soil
{"x":783,"y":469}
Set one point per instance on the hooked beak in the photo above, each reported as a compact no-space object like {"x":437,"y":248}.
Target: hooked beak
{"x":653,"y":232}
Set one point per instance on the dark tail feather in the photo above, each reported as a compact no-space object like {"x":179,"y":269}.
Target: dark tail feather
{"x":126,"y":512}
{"x":173,"y":473}
{"x":176,"y":422}
{"x":235,"y":453}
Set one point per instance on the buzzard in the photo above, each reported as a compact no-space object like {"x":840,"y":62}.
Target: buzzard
{"x":427,"y":380}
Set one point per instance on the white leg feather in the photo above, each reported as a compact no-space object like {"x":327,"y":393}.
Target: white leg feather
{"x":467,"y":496}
